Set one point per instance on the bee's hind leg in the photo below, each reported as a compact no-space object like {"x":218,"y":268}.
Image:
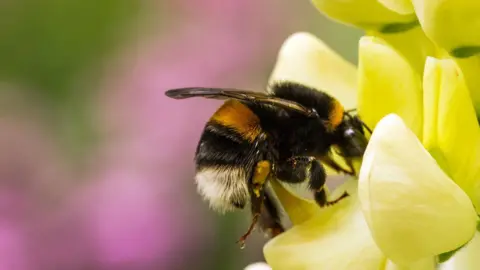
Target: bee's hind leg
{"x":270,"y":219}
{"x":257,"y":194}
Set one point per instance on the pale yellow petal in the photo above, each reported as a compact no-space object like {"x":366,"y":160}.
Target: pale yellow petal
{"x":413,"y":45}
{"x":452,"y":24}
{"x":337,"y":238}
{"x":471,"y":69}
{"x":423,"y":264}
{"x":366,"y":14}
{"x":465,"y":259}
{"x":258,"y":266}
{"x":305,"y":59}
{"x":451,"y":132}
{"x":297,"y":208}
{"x":413,"y":209}
{"x":388,"y":84}
{"x":399,"y":6}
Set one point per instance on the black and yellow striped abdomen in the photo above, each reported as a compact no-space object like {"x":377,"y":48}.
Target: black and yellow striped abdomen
{"x":225,"y":156}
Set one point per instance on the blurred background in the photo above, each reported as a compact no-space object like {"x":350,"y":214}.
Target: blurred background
{"x":96,"y":164}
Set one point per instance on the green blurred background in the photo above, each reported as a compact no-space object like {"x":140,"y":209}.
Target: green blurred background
{"x":96,"y":165}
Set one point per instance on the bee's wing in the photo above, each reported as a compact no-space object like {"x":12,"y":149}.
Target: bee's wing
{"x":246,"y":96}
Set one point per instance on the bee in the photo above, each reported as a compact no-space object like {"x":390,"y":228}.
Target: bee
{"x":286,"y":134}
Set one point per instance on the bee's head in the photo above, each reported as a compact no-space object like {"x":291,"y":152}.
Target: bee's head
{"x":350,"y":137}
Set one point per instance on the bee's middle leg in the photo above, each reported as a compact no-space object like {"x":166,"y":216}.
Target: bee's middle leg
{"x":299,"y":169}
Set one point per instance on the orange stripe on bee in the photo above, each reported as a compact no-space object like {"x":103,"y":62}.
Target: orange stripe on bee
{"x":336,"y":114}
{"x":239,"y":117}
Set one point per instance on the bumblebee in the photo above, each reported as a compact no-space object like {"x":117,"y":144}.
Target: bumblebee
{"x":285,"y":134}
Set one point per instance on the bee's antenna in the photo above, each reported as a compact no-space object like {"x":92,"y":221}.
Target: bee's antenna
{"x":366,"y":127}
{"x":351,"y":110}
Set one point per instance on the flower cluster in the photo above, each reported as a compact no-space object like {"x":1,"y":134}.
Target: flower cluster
{"x":415,"y":202}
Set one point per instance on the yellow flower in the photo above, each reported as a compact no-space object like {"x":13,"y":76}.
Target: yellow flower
{"x":414,"y":210}
{"x":379,"y":66}
{"x":399,"y":6}
{"x":452,"y":24}
{"x":415,"y":202}
{"x":470,"y":68}
{"x":258,"y":266}
{"x":319,"y":234}
{"x":366,"y":14}
{"x":330,"y":238}
{"x":451,"y":131}
{"x":467,"y":258}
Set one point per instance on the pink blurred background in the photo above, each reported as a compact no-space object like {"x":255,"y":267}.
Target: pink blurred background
{"x":96,"y":164}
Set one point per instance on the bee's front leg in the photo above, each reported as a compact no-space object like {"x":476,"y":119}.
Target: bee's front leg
{"x":328,"y":160}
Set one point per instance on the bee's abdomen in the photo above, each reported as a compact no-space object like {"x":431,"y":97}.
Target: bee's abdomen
{"x":225,"y":158}
{"x":225,"y":188}
{"x":224,"y":166}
